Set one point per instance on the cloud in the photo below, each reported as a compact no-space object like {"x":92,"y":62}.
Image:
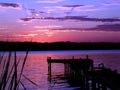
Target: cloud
{"x":68,"y":29}
{"x":111,"y":4}
{"x":35,"y":12}
{"x":50,"y":1}
{"x":48,"y":27}
{"x":55,"y":9}
{"x":68,"y":9}
{"x":104,"y":27}
{"x":80,"y":8}
{"x":107,"y":27}
{"x":74,"y":18}
{"x":3,"y":28}
{"x":47,"y":30}
{"x":11,"y":5}
{"x":26,"y":19}
{"x":73,"y":6}
{"x":27,"y":35}
{"x":89,"y":8}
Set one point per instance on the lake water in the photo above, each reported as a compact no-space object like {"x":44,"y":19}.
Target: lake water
{"x":36,"y":68}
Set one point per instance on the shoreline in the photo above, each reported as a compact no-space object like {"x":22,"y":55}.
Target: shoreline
{"x":34,"y":46}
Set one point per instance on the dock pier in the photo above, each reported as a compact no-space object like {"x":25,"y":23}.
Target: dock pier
{"x":82,"y":72}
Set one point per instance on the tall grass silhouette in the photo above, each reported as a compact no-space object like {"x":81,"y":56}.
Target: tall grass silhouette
{"x":10,"y":77}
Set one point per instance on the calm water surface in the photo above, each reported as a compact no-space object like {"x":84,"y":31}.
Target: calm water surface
{"x":36,"y":68}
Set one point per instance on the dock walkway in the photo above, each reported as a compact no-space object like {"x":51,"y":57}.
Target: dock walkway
{"x":82,"y":71}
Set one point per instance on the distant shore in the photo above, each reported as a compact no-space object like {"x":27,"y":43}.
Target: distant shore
{"x":35,"y":46}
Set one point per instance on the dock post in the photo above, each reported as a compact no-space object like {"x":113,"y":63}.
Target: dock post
{"x":87,"y":57}
{"x":66,"y":69}
{"x":93,"y":84}
{"x":87,"y":83}
{"x":49,"y":68}
{"x":104,"y":87}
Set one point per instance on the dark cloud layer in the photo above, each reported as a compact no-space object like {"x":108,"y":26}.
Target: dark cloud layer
{"x":107,"y":27}
{"x":8,"y":5}
{"x":72,"y":6}
{"x":76,"y":18}
{"x":104,"y":27}
{"x":26,"y":19}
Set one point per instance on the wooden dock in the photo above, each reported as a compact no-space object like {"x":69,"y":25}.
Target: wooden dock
{"x":82,"y":72}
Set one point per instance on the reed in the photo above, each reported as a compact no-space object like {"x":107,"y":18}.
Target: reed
{"x":10,"y":79}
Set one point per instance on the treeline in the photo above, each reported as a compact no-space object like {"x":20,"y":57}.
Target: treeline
{"x":34,"y":46}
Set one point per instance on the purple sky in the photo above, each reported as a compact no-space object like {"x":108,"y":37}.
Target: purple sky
{"x":60,"y":20}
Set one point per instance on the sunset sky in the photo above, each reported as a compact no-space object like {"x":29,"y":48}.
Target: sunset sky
{"x":60,"y":20}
